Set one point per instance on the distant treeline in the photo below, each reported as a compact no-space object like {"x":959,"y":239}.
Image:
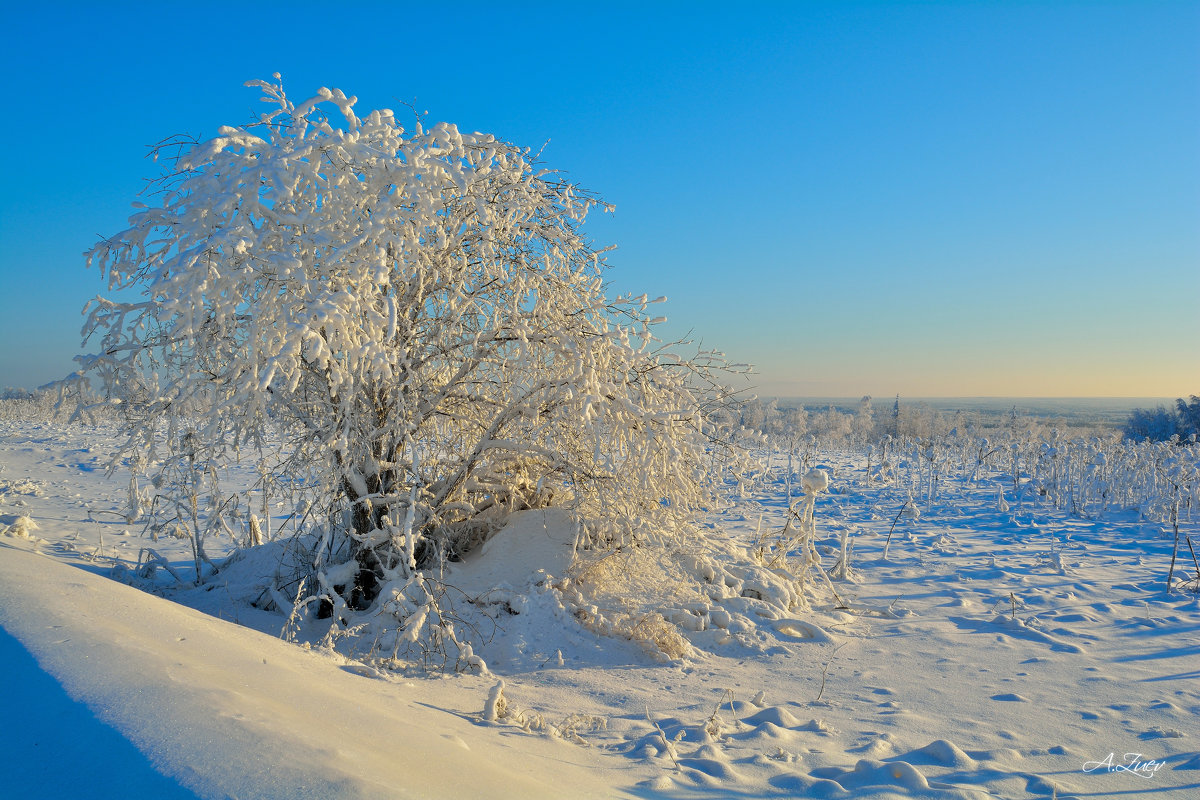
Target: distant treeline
{"x":866,"y":422}
{"x":1161,"y":424}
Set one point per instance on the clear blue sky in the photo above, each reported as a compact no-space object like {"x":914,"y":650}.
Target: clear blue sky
{"x":935,"y":199}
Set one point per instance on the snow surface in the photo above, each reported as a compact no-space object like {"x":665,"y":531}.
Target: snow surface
{"x":994,"y":653}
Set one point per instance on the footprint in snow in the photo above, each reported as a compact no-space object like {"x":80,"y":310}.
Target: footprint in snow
{"x":801,"y":631}
{"x":1191,"y":763}
{"x":1162,"y":733}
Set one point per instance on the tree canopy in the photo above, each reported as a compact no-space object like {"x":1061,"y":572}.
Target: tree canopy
{"x":411,"y":321}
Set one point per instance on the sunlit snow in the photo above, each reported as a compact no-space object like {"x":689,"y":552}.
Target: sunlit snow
{"x":1004,"y":647}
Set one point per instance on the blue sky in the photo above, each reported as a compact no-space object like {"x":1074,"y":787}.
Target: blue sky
{"x":932,"y":199}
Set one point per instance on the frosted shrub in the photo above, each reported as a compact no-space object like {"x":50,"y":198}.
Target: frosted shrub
{"x":21,"y":405}
{"x":1089,"y":476}
{"x":20,"y":527}
{"x":792,"y":551}
{"x":412,"y":323}
{"x":41,"y":405}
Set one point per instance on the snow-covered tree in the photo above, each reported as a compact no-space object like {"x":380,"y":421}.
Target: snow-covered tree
{"x":864,"y":420}
{"x":412,"y":321}
{"x":1189,"y":416}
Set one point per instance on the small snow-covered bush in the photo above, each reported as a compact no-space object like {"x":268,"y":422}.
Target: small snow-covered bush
{"x":412,"y":321}
{"x":17,"y":526}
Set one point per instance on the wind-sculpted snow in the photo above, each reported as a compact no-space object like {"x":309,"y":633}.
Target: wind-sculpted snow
{"x":230,"y":712}
{"x":1026,"y":651}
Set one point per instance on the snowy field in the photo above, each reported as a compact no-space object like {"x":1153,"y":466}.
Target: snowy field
{"x":979,"y":640}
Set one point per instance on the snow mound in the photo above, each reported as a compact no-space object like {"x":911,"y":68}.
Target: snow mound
{"x":942,"y":753}
{"x":17,"y":527}
{"x":533,"y":546}
{"x":540,"y":592}
{"x":814,"y":481}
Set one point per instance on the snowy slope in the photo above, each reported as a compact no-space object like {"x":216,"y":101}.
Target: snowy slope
{"x":227,"y":711}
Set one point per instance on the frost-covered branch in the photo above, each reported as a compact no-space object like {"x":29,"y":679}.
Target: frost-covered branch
{"x":414,"y":319}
